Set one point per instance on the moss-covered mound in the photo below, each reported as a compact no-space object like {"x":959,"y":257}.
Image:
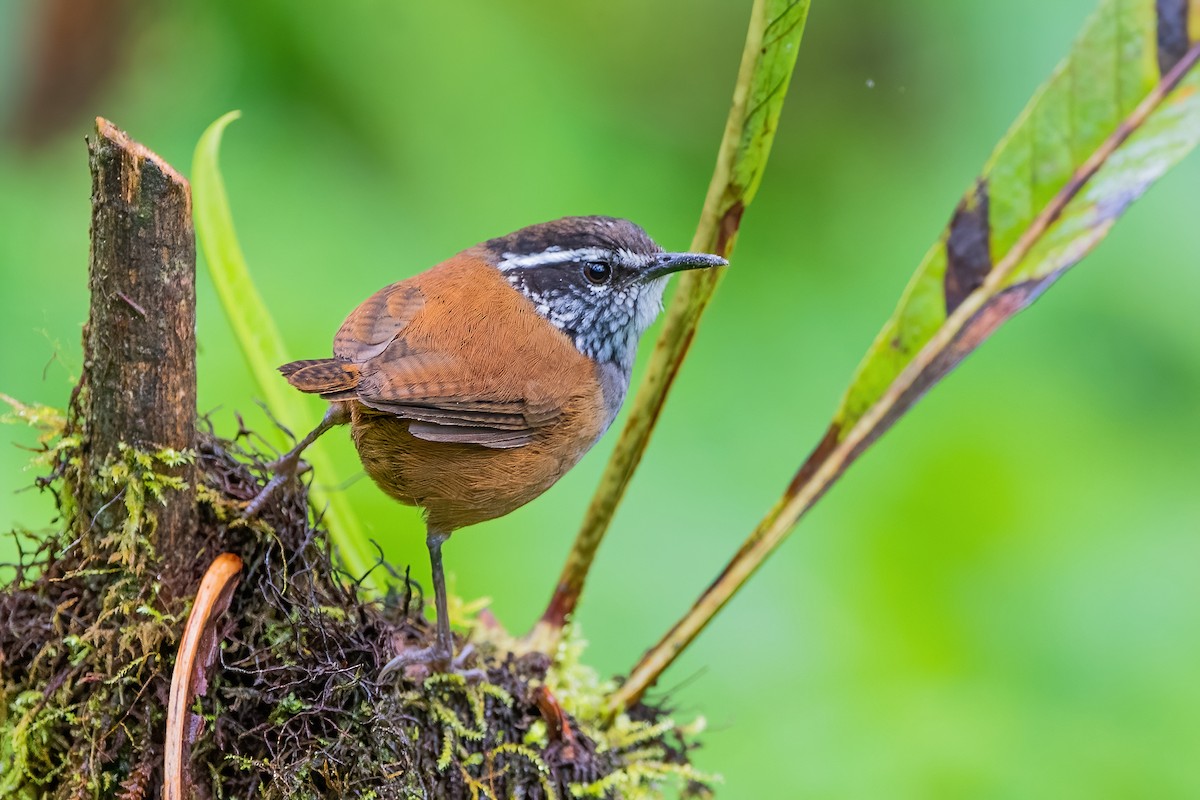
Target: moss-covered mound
{"x":293,"y":708}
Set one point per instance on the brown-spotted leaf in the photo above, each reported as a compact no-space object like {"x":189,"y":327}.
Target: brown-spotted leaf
{"x":1117,"y":113}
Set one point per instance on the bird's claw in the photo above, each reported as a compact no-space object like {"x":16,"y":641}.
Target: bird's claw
{"x":283,"y":469}
{"x":436,"y":659}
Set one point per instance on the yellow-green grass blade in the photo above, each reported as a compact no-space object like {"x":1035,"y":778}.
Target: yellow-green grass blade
{"x":768,"y":60}
{"x":261,"y":344}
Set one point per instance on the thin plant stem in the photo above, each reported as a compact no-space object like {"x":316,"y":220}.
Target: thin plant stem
{"x":768,"y":59}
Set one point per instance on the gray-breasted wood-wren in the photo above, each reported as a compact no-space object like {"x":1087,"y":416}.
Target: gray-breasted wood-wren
{"x":474,"y":386}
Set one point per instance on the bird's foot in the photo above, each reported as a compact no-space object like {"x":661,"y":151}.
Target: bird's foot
{"x":283,"y":469}
{"x":435,"y":658}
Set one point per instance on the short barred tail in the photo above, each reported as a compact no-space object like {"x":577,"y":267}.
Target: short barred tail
{"x":328,"y":377}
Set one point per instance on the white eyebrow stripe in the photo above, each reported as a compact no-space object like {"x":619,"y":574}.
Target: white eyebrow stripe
{"x":553,"y":255}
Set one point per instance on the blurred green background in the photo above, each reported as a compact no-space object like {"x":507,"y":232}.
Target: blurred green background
{"x":1000,"y":601}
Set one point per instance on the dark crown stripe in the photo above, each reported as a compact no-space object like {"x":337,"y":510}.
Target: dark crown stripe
{"x":573,"y":233}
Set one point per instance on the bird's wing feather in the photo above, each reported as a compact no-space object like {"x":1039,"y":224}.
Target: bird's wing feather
{"x":376,"y":324}
{"x":441,"y":394}
{"x":495,"y":439}
{"x":438,"y":391}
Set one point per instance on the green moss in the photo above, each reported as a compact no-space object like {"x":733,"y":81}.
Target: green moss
{"x":649,"y":751}
{"x":91,"y":635}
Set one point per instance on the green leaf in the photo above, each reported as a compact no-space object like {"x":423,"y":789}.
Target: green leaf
{"x":1121,"y":110}
{"x":261,"y":343}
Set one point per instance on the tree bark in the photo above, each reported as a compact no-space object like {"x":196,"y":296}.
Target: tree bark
{"x":139,"y":344}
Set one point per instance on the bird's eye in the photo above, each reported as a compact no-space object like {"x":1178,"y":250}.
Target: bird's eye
{"x":597,"y":272}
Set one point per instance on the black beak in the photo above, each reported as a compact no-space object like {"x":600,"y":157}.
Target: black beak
{"x":666,"y":263}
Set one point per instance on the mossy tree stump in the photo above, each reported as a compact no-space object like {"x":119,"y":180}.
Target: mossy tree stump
{"x":138,"y":388}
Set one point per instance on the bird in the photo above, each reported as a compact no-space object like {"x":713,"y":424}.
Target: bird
{"x":472,"y":387}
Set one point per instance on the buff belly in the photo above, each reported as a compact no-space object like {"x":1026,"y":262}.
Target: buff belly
{"x":461,"y":484}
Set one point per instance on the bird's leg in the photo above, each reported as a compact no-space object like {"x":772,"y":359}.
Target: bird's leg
{"x":444,"y":645}
{"x":439,"y":655}
{"x":286,"y":466}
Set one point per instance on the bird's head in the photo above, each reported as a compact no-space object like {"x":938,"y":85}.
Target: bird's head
{"x":599,"y":280}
